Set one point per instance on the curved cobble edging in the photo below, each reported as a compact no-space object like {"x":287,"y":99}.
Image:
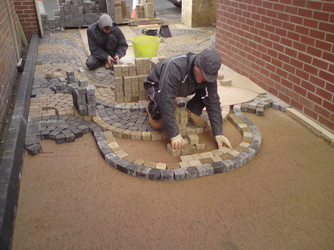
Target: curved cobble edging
{"x":246,"y":152}
{"x":66,"y":129}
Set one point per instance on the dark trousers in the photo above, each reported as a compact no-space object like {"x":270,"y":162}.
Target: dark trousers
{"x":110,"y":46}
{"x":195,"y":105}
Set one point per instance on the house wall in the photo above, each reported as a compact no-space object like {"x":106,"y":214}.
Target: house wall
{"x":9,"y":39}
{"x":286,"y":47}
{"x":26,"y":11}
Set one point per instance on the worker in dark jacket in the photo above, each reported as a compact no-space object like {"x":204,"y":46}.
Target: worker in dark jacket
{"x":180,"y":76}
{"x":107,"y":43}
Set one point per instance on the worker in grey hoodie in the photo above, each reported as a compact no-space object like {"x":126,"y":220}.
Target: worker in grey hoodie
{"x":107,"y":43}
{"x":181,"y":76}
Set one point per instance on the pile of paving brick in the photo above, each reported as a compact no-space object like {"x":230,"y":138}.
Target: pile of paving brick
{"x":262,"y":102}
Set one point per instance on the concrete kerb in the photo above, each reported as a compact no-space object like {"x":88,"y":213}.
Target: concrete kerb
{"x":12,"y":161}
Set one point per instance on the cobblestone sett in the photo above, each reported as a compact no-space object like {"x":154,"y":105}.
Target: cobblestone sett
{"x":191,"y":172}
{"x":154,"y":174}
{"x":142,"y":172}
{"x":122,"y":165}
{"x":237,"y":160}
{"x":205,"y":169}
{"x":229,"y":165}
{"x":99,"y":136}
{"x":104,"y":148}
{"x":218,"y":167}
{"x":111,"y":159}
{"x":132,"y":169}
{"x":167,"y":175}
{"x":250,"y":152}
{"x":179,"y":174}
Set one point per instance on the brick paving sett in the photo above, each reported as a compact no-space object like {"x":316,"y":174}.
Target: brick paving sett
{"x":52,"y":115}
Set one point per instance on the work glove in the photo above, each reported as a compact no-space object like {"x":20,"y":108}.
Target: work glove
{"x":221,"y":140}
{"x":177,"y":142}
{"x":111,"y":59}
{"x":117,"y":59}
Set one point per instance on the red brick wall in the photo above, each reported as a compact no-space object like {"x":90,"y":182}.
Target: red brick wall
{"x":26,"y":11}
{"x":8,"y":56}
{"x":286,"y":47}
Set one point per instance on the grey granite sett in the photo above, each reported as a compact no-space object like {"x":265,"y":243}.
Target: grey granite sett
{"x":250,"y":152}
{"x":111,"y":159}
{"x":179,"y":174}
{"x":34,"y":149}
{"x":229,"y":165}
{"x":154,"y":174}
{"x":77,"y":133}
{"x":45,"y":134}
{"x":142,"y":172}
{"x":122,"y":165}
{"x":255,"y":145}
{"x":69,"y":137}
{"x":167,"y":175}
{"x":31,"y":139}
{"x":191,"y":172}
{"x":244,"y":157}
{"x":132,"y":169}
{"x":85,"y":129}
{"x":205,"y":169}
{"x":237,"y":160}
{"x":99,"y":136}
{"x":60,"y":138}
{"x":218,"y":167}
{"x":95,"y":129}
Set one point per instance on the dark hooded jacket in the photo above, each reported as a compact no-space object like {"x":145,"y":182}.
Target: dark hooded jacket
{"x":174,"y":77}
{"x":96,"y":38}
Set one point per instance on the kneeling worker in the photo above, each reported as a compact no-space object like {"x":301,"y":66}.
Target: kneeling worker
{"x":107,"y":43}
{"x":180,"y":76}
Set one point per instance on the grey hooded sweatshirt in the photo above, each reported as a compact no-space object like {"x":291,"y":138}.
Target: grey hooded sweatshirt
{"x":96,"y":38}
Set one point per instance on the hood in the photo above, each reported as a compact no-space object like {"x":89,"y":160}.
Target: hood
{"x":105,"y":20}
{"x":191,"y":62}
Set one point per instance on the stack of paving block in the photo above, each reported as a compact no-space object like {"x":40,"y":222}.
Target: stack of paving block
{"x":118,"y":11}
{"x":122,"y":11}
{"x":129,"y":80}
{"x":140,"y":11}
{"x":145,"y":10}
{"x":130,"y":86}
{"x":149,"y":9}
{"x":262,"y":102}
{"x":144,"y":66}
{"x":83,"y":97}
{"x":192,"y":142}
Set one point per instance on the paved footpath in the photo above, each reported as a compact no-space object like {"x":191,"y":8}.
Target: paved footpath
{"x":278,"y":196}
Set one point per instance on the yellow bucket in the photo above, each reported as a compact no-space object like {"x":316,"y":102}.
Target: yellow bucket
{"x":146,"y":46}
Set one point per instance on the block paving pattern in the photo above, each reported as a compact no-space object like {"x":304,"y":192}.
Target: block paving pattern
{"x":53,"y":116}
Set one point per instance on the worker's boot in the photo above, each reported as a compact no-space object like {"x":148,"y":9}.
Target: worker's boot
{"x":155,"y":124}
{"x":196,"y":119}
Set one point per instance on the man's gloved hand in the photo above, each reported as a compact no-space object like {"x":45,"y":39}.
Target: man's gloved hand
{"x":110,"y":59}
{"x":221,"y":140}
{"x":117,"y":59}
{"x":113,"y":59}
{"x":177,"y":142}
